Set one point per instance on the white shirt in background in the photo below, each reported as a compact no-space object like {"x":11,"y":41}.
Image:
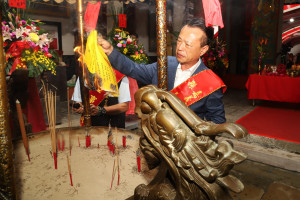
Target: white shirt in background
{"x":124,"y":91}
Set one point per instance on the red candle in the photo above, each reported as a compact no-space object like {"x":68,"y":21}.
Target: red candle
{"x":55,"y":160}
{"x":139,"y":163}
{"x":71,"y":179}
{"x":88,"y":141}
{"x":108,"y":143}
{"x":124,"y":141}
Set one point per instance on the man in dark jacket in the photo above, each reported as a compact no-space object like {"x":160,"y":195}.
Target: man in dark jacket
{"x":188,"y":77}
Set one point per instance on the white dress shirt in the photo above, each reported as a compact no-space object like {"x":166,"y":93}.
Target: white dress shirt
{"x":182,"y":76}
{"x":124,"y":91}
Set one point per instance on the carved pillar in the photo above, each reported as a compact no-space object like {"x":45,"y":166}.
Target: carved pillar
{"x":161,"y":34}
{"x":7,"y":184}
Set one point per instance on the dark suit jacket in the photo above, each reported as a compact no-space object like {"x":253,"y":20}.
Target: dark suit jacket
{"x":210,"y":108}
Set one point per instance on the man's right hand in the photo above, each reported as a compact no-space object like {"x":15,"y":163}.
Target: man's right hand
{"x":79,"y":110}
{"x":106,"y":46}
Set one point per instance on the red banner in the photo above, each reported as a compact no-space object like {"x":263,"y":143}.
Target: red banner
{"x":122,"y":21}
{"x":17,"y":3}
{"x":91,"y":16}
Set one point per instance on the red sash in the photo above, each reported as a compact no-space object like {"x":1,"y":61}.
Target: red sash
{"x":198,"y":86}
{"x":96,"y":97}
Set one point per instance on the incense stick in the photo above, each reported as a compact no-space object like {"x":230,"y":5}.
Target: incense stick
{"x":69,"y":168}
{"x":22,"y":127}
{"x":112,"y":176}
{"x":117,"y":152}
{"x":69,"y":119}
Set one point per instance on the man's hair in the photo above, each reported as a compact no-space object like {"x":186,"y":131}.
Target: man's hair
{"x":200,"y":23}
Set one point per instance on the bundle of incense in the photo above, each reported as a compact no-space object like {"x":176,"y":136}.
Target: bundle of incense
{"x":50,"y":102}
{"x":69,"y":168}
{"x":22,"y":128}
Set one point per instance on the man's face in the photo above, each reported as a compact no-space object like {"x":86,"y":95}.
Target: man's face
{"x":189,"y":50}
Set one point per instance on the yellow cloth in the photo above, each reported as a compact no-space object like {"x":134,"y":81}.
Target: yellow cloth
{"x":99,"y":65}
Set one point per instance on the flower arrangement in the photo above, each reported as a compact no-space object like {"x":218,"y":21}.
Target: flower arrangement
{"x":262,"y":42}
{"x":128,"y":45}
{"x":26,"y":46}
{"x":216,"y":58}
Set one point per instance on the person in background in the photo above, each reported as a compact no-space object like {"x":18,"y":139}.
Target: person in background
{"x":111,"y":110}
{"x":185,"y":71}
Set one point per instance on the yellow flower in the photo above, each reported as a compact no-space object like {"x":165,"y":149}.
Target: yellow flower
{"x":125,"y":50}
{"x":34,"y":37}
{"x":119,"y":30}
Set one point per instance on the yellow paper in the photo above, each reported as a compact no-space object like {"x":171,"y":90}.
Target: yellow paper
{"x":99,"y":65}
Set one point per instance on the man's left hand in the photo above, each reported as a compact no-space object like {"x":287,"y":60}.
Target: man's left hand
{"x":94,"y":110}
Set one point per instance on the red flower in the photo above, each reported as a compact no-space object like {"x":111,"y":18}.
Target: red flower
{"x":28,"y":27}
{"x":17,"y":62}
{"x":15,"y":49}
{"x":27,"y":46}
{"x":47,"y":54}
{"x":36,"y":49}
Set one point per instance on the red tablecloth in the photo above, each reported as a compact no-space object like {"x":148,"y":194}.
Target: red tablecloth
{"x":274,"y":88}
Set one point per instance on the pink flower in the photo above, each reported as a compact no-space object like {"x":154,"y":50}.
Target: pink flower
{"x":141,"y":51}
{"x":136,"y":53}
{"x":119,"y":45}
{"x":129,"y":40}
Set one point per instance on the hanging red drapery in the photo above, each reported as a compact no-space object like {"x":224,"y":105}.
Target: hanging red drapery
{"x":212,"y":13}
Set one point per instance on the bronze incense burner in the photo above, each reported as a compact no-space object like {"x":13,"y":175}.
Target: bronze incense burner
{"x":191,"y":164}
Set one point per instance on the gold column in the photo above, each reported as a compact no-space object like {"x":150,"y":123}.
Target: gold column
{"x":7,"y":184}
{"x":161,"y":34}
{"x":84,"y":90}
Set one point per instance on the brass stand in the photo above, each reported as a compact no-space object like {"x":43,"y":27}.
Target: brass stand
{"x":7,"y":184}
{"x":161,"y":34}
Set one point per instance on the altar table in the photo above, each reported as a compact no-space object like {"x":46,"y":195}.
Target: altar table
{"x":274,"y":88}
